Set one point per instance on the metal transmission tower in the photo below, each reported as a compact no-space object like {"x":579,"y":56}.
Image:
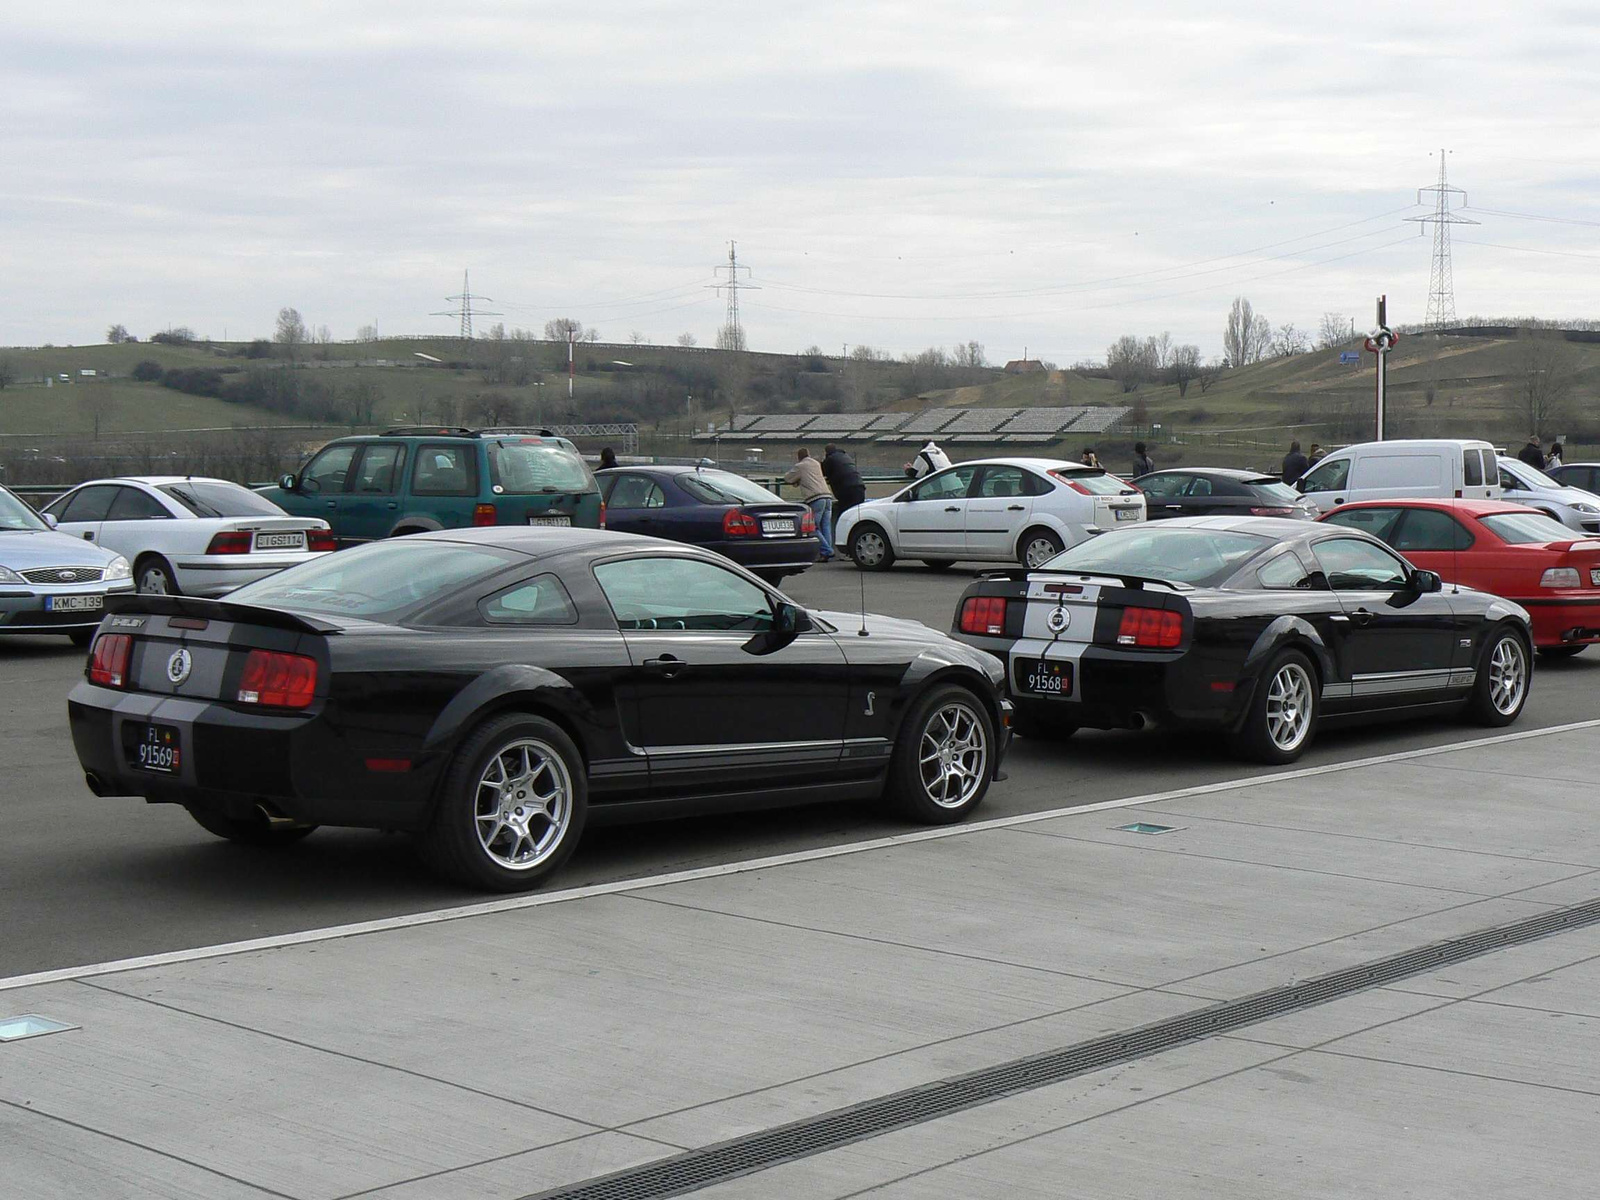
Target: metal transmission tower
{"x":464,"y":309}
{"x":1441,"y":280}
{"x":731,"y":335}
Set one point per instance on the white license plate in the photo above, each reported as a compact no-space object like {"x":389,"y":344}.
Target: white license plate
{"x":549,"y":520}
{"x":775,"y":527}
{"x":74,"y":603}
{"x":280,"y":541}
{"x":1127,"y":514}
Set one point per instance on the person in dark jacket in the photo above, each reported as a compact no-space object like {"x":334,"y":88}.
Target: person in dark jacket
{"x":1294,"y":463}
{"x":839,"y":469}
{"x":608,"y":458}
{"x":1531,"y":454}
{"x":1142,"y":464}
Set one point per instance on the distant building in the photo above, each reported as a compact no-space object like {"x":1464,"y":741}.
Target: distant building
{"x":1024,"y":366}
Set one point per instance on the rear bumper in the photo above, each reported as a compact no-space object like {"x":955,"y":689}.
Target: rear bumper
{"x":766,"y":553}
{"x":1563,"y":620}
{"x":214,"y":575}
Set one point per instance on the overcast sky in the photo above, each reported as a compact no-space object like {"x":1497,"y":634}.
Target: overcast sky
{"x":1030,"y":175}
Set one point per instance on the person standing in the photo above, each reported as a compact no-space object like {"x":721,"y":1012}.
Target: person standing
{"x":1531,"y":454}
{"x":1089,"y":458}
{"x":1142,"y":463}
{"x":806,"y":476}
{"x":1553,"y":459}
{"x":839,"y":469}
{"x":928,"y":460}
{"x":608,"y":458}
{"x":1317,"y":454}
{"x":1294,"y":464}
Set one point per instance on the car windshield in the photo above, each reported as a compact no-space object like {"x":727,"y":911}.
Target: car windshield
{"x":16,"y":516}
{"x":216,"y":498}
{"x":1096,"y":482}
{"x":724,"y":487}
{"x":1524,"y":529}
{"x":378,"y":581}
{"x":528,"y":468}
{"x":1198,"y":556}
{"x":1273,"y":489}
{"x":1531,"y":476}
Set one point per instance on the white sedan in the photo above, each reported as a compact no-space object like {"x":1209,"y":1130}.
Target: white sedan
{"x":187,"y":535}
{"x":1024,"y":510}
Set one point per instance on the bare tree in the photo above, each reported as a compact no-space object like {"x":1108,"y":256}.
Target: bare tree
{"x":1333,"y":331}
{"x":591,"y":334}
{"x":1185,"y":367}
{"x":687,"y":339}
{"x":1158,"y":352}
{"x":636,"y":337}
{"x":1247,"y":334}
{"x":367,"y":333}
{"x":969,"y":354}
{"x":561,"y":329}
{"x":1128,"y":361}
{"x":8,"y":372}
{"x":1544,"y":372}
{"x":291,"y":331}
{"x":730,"y":337}
{"x":1209,"y":374}
{"x":359,"y":402}
{"x":1288,"y":340}
{"x":865,"y":353}
{"x":117,"y":334}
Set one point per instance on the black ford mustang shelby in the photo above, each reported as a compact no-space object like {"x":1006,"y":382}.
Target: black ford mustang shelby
{"x":1257,"y":627}
{"x":491,"y":689}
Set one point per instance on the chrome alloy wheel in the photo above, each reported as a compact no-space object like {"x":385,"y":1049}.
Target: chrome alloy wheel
{"x":1289,"y":706}
{"x":1039,"y":551}
{"x":953,"y":755}
{"x":868,"y":548}
{"x":1508,"y":675}
{"x":523,"y":804}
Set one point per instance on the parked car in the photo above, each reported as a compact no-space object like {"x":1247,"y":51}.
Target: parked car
{"x":418,"y":478}
{"x":1578,"y":475}
{"x":1260,"y":629}
{"x":989,"y":510}
{"x":491,"y":690}
{"x":189,"y":535}
{"x":719,"y":510}
{"x":1572,"y":506}
{"x":1218,"y":491}
{"x":1441,"y":468}
{"x":50,"y":582}
{"x":1498,"y":547}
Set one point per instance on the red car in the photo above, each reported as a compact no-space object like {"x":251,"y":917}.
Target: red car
{"x":1506,"y":549}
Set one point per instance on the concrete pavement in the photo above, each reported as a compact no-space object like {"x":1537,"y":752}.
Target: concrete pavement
{"x":545,"y":1041}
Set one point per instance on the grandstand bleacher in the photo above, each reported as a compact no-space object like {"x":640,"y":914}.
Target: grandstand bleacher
{"x":962,"y":426}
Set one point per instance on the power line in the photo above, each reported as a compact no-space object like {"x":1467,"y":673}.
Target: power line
{"x":1496,"y":212}
{"x":1441,"y":276}
{"x":464,"y":309}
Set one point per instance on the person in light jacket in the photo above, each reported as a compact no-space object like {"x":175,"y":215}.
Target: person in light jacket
{"x":928,"y":460}
{"x":806,"y":476}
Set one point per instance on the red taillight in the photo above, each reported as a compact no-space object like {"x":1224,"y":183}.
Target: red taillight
{"x":602,"y":514}
{"x":983,"y":615}
{"x":230,"y":541}
{"x":808,"y":525}
{"x":740,"y":524}
{"x":277,"y":680}
{"x":1150,"y":628}
{"x":108,"y":664}
{"x":485,"y":514}
{"x":1257,"y":511}
{"x":321,"y":540}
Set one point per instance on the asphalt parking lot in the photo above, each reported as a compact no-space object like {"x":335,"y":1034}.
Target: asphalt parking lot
{"x":85,"y":880}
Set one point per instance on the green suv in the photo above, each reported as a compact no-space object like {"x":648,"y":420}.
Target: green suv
{"x":415,"y":479}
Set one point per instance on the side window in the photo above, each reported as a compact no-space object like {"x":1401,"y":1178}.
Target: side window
{"x":327,"y":471}
{"x":1328,"y":476}
{"x":1032,"y":485}
{"x":1170,"y":483}
{"x":1002,"y":481}
{"x":445,"y":471}
{"x":1200,"y":487}
{"x":682,"y":594}
{"x":1287,"y":572}
{"x":636,"y":491}
{"x":1489,"y":465}
{"x":1379,"y":522}
{"x":1472,"y":468}
{"x":538,"y":601}
{"x":133,"y":505}
{"x":1508,"y":481}
{"x":1429,"y":529}
{"x":88,"y":504}
{"x":946,"y":485}
{"x":380,"y":468}
{"x":1358,"y":566}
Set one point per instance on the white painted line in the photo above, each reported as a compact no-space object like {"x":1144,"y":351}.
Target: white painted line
{"x":517,"y":903}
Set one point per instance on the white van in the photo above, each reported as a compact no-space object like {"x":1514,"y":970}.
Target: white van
{"x":1422,"y":468}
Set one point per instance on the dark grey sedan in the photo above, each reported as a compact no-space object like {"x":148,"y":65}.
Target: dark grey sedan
{"x":1221,"y":492}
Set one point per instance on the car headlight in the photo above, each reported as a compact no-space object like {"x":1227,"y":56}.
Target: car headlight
{"x":7,"y":575}
{"x":1580,"y":506}
{"x":119,"y":569}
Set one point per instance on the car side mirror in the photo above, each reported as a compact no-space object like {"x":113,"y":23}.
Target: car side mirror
{"x":1426,"y":582}
{"x":50,"y":520}
{"x":287,"y":482}
{"x":1300,"y":485}
{"x":789,"y":621}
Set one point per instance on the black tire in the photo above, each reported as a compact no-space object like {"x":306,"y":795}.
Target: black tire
{"x":1554,"y":652}
{"x":153,"y":576}
{"x":253,"y":831}
{"x":938,"y":564}
{"x":1282,"y":720}
{"x":1043,"y":722}
{"x":1036,"y":546}
{"x":81,"y":638}
{"x":863,"y":557}
{"x":1501,"y":689}
{"x":945,"y":710}
{"x":454,"y":844}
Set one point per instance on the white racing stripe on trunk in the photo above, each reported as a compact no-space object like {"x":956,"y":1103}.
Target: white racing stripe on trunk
{"x":1066,"y":644}
{"x":334,"y":932}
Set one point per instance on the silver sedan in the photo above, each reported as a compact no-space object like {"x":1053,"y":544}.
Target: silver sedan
{"x":49,"y":582}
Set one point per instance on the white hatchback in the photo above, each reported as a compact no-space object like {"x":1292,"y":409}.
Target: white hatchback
{"x":188,"y":535}
{"x":1025,"y":510}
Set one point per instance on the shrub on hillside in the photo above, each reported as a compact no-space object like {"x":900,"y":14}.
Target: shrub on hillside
{"x":195,"y":381}
{"x":147,"y":371}
{"x":260,"y":348}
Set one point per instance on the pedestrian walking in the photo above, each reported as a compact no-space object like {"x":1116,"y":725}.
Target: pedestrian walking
{"x":1295,"y":463}
{"x":1553,"y":459}
{"x":928,"y":460}
{"x":1142,"y":464}
{"x":1531,"y":454}
{"x":839,"y":469}
{"x":806,"y":477}
{"x":608,"y":458}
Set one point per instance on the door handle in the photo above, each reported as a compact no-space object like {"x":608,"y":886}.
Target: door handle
{"x":952,"y":508}
{"x":333,"y":504}
{"x":88,"y":536}
{"x":1338,"y":499}
{"x":393,"y":505}
{"x":666,"y":666}
{"x":1014,"y":507}
{"x":1361,"y":617}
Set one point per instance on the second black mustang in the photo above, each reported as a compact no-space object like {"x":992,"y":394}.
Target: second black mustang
{"x":491,"y":689}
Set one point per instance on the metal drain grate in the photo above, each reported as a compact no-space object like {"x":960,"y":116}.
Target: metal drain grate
{"x":702,"y":1168}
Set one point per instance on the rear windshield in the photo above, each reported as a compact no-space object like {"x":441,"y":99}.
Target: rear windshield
{"x":529,"y":468}
{"x":1197,"y":556}
{"x":1523,"y":529}
{"x":214,"y":498}
{"x":1272,"y":489}
{"x":1534,"y":476}
{"x":1100,"y":483}
{"x":724,"y":487}
{"x":16,"y":515}
{"x":378,"y":581}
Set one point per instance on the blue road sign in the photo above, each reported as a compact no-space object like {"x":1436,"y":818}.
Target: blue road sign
{"x":1348,"y":357}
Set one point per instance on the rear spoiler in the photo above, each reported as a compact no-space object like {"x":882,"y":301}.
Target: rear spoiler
{"x":1133,"y":582}
{"x":218,"y":610}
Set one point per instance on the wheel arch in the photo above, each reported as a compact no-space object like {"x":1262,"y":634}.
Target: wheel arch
{"x":1287,"y":632}
{"x":414,"y":524}
{"x":516,"y":687}
{"x":923,"y":675}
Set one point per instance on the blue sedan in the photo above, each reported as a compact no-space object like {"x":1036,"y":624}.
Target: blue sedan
{"x":715,"y":509}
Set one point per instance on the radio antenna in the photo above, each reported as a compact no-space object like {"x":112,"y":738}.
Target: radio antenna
{"x":862,"y":632}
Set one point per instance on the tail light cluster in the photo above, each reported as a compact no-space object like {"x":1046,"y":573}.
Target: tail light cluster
{"x":1150,"y":628}
{"x":1561,"y":577}
{"x":230,"y":541}
{"x":485,"y":514}
{"x":808,"y":524}
{"x":1257,"y":510}
{"x":273,"y":679}
{"x":108,"y":664}
{"x":983,"y":615}
{"x":602,"y":514}
{"x":736,"y":524}
{"x":320,"y":540}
